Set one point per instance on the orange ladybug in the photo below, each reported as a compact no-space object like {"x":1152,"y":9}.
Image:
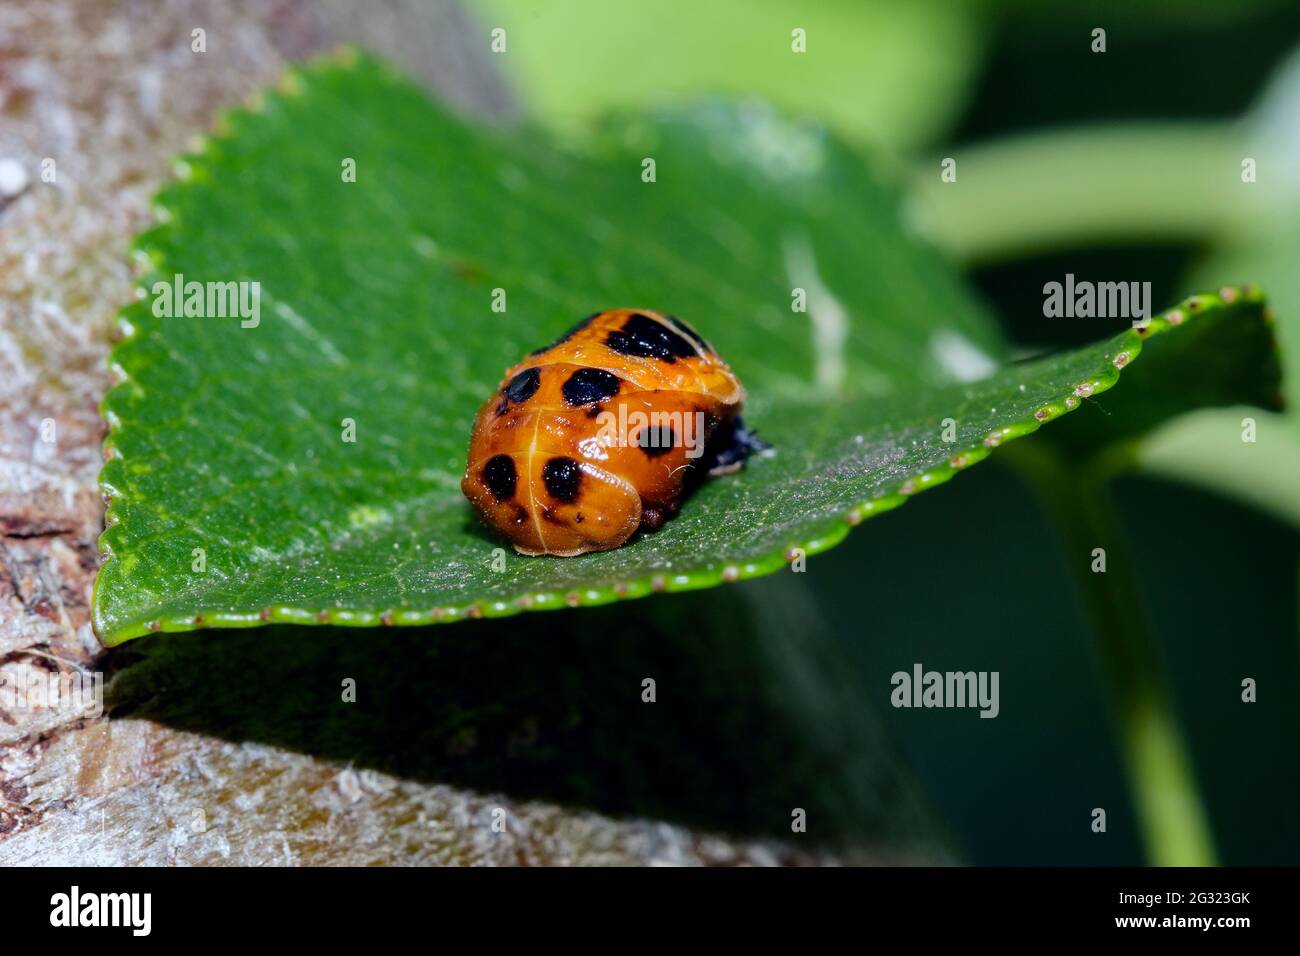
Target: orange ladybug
{"x":602,"y":432}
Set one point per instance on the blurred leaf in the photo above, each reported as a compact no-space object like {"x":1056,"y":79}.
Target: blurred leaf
{"x":1268,"y":242}
{"x":578,"y":59}
{"x":1067,"y":189}
{"x":1139,"y":182}
{"x":376,"y":307}
{"x":1206,"y":449}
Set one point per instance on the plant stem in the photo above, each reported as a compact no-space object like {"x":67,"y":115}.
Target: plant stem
{"x":1036,"y":192}
{"x":1170,"y":813}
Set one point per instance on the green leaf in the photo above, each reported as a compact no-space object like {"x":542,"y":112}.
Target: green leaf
{"x":376,"y":307}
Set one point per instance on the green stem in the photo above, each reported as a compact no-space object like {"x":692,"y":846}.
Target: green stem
{"x":1174,"y":825}
{"x":1067,"y":188}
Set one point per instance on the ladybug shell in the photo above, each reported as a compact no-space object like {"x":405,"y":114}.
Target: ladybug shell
{"x":593,"y":437}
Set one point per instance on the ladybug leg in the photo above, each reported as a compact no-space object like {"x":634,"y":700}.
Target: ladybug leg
{"x":730,"y":446}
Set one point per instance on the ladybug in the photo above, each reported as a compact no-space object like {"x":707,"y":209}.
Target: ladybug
{"x":602,"y":432}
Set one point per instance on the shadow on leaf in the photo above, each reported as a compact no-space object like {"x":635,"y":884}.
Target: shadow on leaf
{"x":753,"y":715}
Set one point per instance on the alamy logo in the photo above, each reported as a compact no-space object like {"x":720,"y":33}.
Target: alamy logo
{"x":103,"y":909}
{"x":1096,"y":300}
{"x":922,"y":688}
{"x":208,"y":300}
{"x":651,"y":431}
{"x":31,"y":689}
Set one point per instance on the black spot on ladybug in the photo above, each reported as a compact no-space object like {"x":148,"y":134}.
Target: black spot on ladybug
{"x":644,"y":337}
{"x":562,"y":477}
{"x":567,"y":335}
{"x":500,"y":477}
{"x":685,"y":328}
{"x":588,"y":385}
{"x":523,"y":386}
{"x":656,"y":441}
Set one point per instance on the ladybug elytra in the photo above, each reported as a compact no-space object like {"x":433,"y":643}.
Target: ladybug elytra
{"x":602,"y":432}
